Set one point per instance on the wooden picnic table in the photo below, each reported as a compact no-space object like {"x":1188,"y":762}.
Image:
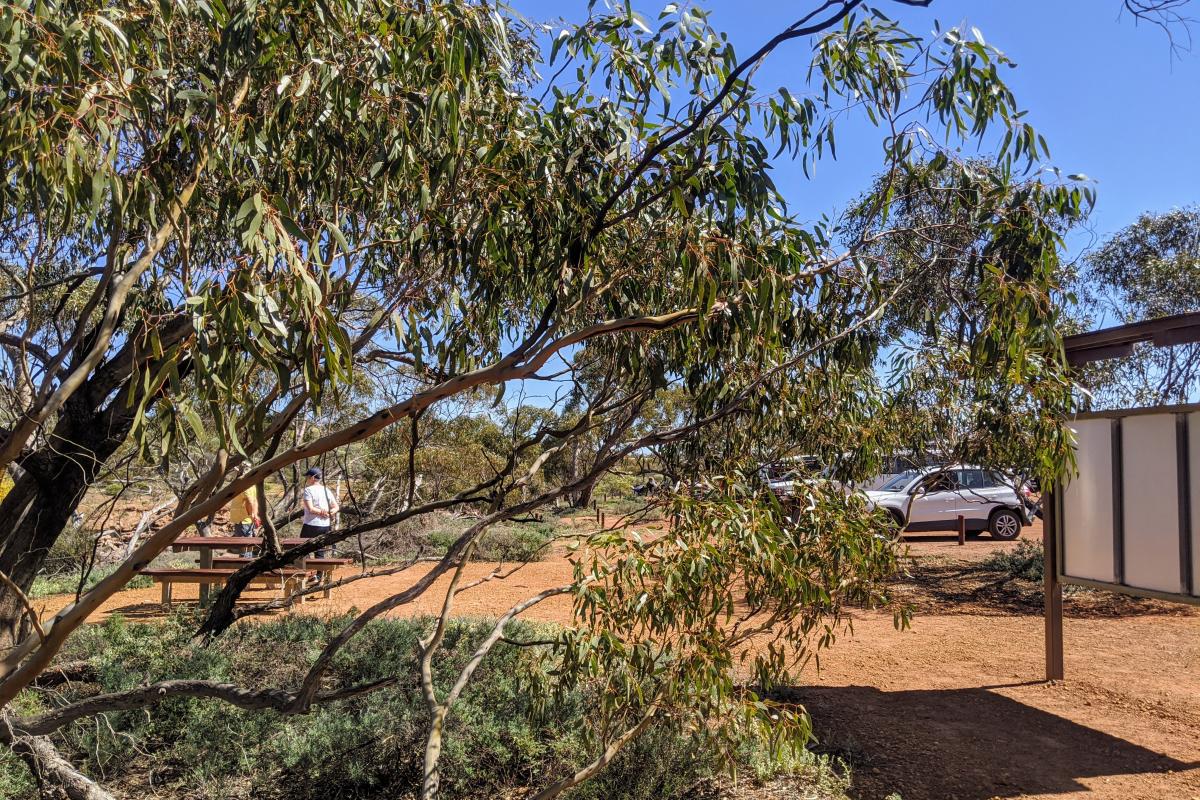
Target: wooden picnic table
{"x":205,"y":545}
{"x":210,"y":543}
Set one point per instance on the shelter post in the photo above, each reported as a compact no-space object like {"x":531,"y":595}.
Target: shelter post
{"x":1053,"y":589}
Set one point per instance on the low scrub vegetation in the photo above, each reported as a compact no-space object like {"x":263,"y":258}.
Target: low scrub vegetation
{"x":368,"y":747}
{"x":1024,"y":562}
{"x":68,"y":583}
{"x":516,"y":541}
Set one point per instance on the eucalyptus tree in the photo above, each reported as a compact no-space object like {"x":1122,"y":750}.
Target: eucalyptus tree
{"x":1150,"y":268}
{"x":183,"y":184}
{"x":268,"y":200}
{"x":979,"y":414}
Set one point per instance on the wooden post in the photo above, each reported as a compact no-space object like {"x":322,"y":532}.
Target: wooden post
{"x":1053,"y":589}
{"x":596,"y":508}
{"x":603,"y":520}
{"x":962,"y":530}
{"x":206,"y":561}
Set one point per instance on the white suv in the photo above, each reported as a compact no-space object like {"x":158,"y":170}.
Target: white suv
{"x":933,"y":498}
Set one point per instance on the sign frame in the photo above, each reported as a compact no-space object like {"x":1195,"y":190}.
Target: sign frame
{"x":1184,"y":490}
{"x":1081,"y":349}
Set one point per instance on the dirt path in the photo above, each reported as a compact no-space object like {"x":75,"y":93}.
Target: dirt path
{"x":953,"y":709}
{"x":490,"y":598}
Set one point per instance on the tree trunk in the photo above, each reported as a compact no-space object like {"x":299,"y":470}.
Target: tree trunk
{"x":91,"y":424}
{"x":56,"y":777}
{"x":40,"y":504}
{"x":584,"y":498}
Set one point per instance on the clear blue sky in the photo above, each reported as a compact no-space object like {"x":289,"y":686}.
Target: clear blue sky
{"x":1107,"y":94}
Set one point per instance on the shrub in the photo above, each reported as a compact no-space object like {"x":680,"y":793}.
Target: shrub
{"x":616,"y":485}
{"x":637,"y":509}
{"x":514,"y":541}
{"x":1025,"y":561}
{"x":366,"y":748}
{"x":15,"y":780}
{"x":68,"y":582}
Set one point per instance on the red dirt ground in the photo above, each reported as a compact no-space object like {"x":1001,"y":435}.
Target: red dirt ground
{"x":955,"y":708}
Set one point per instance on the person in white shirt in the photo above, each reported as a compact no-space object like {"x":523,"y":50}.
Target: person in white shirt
{"x":320,"y":507}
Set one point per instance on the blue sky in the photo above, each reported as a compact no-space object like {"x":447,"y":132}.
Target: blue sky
{"x":1106,"y":93}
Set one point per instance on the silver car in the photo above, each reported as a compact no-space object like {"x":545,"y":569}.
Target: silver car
{"x":933,"y":498}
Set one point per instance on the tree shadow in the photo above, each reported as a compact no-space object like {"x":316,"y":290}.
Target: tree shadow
{"x":155,"y":610}
{"x":940,"y":587}
{"x":970,"y":744}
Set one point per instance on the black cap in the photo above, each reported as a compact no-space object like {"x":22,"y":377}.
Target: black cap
{"x":313,"y":472}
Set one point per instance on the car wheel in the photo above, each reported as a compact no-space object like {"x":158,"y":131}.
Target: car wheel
{"x":1005,"y":525}
{"x":897,"y":518}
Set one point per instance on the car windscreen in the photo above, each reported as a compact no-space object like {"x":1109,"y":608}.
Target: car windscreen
{"x":898,"y":482}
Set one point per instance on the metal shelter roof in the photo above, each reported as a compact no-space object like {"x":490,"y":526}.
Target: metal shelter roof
{"x":1119,"y":341}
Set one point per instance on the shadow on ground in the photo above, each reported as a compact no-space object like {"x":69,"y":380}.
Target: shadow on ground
{"x":965,"y":744}
{"x":938,"y":586}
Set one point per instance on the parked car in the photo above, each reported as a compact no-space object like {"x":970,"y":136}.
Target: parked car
{"x":789,"y":469}
{"x":905,"y":463}
{"x":933,"y":498}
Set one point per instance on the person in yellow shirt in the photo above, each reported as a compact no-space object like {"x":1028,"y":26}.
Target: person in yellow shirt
{"x":243,"y":513}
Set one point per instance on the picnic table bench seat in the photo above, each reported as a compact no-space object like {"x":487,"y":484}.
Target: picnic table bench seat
{"x":323,"y":567}
{"x":288,"y":578}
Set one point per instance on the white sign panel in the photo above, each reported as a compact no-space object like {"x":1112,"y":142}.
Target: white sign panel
{"x":1193,"y":424}
{"x":1087,"y":504}
{"x":1151,"y":502}
{"x":1130,"y":519}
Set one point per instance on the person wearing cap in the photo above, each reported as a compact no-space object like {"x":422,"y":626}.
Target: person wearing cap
{"x":320,"y":507}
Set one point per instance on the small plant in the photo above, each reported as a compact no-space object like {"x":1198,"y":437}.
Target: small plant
{"x":1024,"y":562}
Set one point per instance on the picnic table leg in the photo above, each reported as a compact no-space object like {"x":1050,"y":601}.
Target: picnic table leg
{"x":327,"y":580}
{"x":166,"y":594}
{"x":290,"y":587}
{"x":206,"y":561}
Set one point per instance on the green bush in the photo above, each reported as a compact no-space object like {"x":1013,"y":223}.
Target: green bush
{"x":15,"y":780}
{"x":642,"y":510}
{"x":1025,"y":561}
{"x":515,"y":541}
{"x":365,"y":748}
{"x":616,"y":485}
{"x":68,"y":582}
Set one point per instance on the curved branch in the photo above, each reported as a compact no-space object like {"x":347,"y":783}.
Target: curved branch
{"x":497,"y":634}
{"x":241,"y":612}
{"x":139,"y":697}
{"x":25,"y":661}
{"x":601,"y":761}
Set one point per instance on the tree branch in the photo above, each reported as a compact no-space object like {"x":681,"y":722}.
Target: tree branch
{"x":142,"y":696}
{"x":49,"y":766}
